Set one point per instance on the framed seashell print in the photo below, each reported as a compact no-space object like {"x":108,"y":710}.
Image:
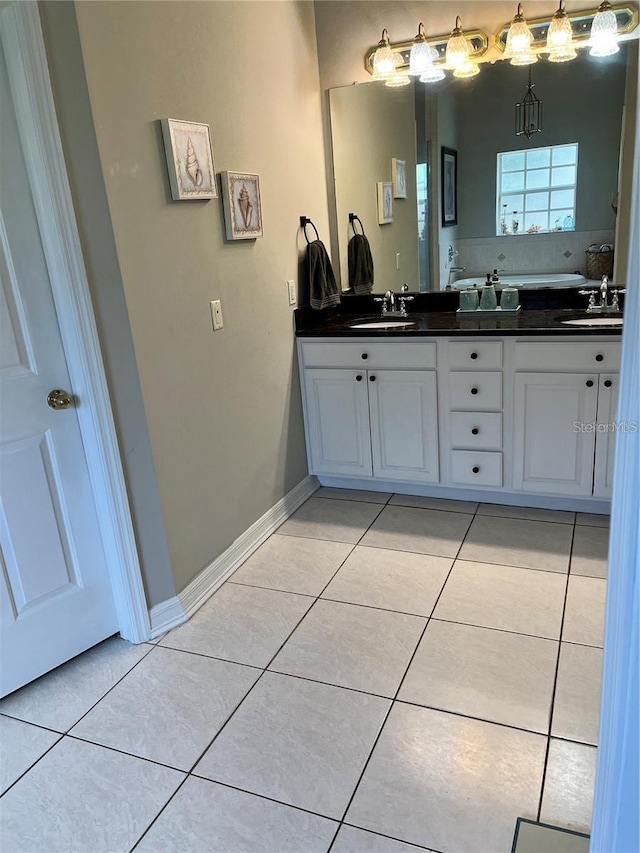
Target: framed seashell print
{"x":187,"y":145}
{"x":242,"y":207}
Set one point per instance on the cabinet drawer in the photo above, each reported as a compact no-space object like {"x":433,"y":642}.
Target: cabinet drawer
{"x":369,"y":354}
{"x":581,"y":355}
{"x":476,"y":468}
{"x":476,"y":430}
{"x":464,"y":355}
{"x":476,"y":391}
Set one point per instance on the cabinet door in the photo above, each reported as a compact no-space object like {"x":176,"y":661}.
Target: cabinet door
{"x":606,"y":435}
{"x":403,"y":406}
{"x":554,"y":432}
{"x":338,"y":422}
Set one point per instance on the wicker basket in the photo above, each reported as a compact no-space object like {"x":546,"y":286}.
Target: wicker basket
{"x":599,"y":263}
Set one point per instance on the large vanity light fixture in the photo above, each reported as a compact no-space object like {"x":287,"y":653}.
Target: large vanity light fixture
{"x":604,"y":32}
{"x":421,"y":59}
{"x":560,"y":37}
{"x":522,"y":41}
{"x":459,"y":54}
{"x":519,"y":41}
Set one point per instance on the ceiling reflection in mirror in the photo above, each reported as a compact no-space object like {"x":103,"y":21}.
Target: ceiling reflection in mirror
{"x":583,"y":106}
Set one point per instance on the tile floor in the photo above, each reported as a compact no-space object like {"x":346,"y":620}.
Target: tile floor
{"x":385,"y":674}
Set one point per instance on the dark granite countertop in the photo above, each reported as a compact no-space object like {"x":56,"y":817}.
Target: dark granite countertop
{"x":434,"y":315}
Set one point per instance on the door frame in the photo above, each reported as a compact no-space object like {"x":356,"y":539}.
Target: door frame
{"x":24,"y":50}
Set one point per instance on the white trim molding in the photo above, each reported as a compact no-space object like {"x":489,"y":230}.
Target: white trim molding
{"x":173,"y":612}
{"x":27,"y":67}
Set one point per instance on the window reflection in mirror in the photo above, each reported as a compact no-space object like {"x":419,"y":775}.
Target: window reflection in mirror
{"x":371,"y":124}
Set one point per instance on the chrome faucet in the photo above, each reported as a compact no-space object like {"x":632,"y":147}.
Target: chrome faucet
{"x":389,"y":303}
{"x":604,"y":292}
{"x":604,"y":288}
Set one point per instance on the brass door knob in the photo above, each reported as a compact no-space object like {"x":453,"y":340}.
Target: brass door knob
{"x":58,"y":399}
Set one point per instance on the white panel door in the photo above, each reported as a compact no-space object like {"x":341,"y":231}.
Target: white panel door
{"x":403,"y":406}
{"x":338,"y":422}
{"x":55,"y":593}
{"x":606,"y":435}
{"x":554,"y":432}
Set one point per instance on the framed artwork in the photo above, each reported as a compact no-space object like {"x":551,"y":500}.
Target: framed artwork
{"x":187,"y":146}
{"x":385,"y":202}
{"x":399,"y":178}
{"x":242,"y":208}
{"x":449,"y":179}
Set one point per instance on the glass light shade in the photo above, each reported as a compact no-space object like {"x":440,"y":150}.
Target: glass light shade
{"x":397,"y":80}
{"x":420,"y":60}
{"x":457,"y":51}
{"x":433,"y":75}
{"x":384,"y":63}
{"x":469,"y":69}
{"x":519,"y":40}
{"x":604,"y":32}
{"x":560,"y":39}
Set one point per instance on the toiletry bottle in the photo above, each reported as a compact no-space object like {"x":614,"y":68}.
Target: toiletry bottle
{"x":488,"y":301}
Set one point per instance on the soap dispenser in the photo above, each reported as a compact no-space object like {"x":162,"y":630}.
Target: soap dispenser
{"x":488,"y":301}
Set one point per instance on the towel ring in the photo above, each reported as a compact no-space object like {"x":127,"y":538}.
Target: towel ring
{"x":304,"y":221}
{"x":353,"y":218}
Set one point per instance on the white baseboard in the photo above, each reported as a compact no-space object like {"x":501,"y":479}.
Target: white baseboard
{"x":165,"y":616}
{"x":168,"y":614}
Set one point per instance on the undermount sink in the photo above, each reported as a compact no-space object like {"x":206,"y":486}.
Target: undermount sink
{"x":381,"y":324}
{"x":595,"y":321}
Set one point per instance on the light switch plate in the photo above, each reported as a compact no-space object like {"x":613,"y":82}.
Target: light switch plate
{"x":216,"y":314}
{"x":291,"y":285}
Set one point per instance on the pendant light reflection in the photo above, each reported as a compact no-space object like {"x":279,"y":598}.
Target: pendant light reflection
{"x":604,"y":32}
{"x":519,"y":40}
{"x":560,"y":37}
{"x":529,"y":113}
{"x":458,"y":54}
{"x":421,"y":59}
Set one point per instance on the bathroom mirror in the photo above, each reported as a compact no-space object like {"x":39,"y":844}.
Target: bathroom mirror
{"x":371,"y":124}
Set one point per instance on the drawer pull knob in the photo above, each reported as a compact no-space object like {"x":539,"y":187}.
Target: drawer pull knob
{"x":475,"y":431}
{"x":476,"y":469}
{"x":589,"y":383}
{"x":474,"y":390}
{"x":473,"y":355}
{"x":599,"y":357}
{"x":608,"y":383}
{"x":364,"y":356}
{"x":358,"y":378}
{"x":372,"y":379}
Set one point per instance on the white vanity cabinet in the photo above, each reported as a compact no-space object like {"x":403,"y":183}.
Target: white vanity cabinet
{"x":367,"y":414}
{"x":471,"y":380}
{"x":563,"y":420}
{"x":462,"y":416}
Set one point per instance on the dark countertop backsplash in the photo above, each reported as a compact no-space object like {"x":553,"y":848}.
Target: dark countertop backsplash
{"x":434,"y":314}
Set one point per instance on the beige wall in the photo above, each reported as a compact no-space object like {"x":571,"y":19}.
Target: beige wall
{"x":223,"y":409}
{"x":370,"y":125}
